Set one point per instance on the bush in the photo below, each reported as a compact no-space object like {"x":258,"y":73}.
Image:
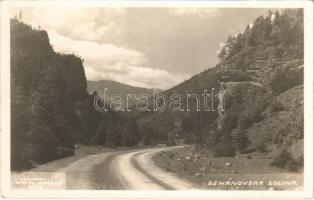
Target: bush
{"x":171,"y":155}
{"x":188,"y":139}
{"x":286,"y":78}
{"x":234,"y":75}
{"x":285,"y":161}
{"x":241,"y":140}
{"x":225,"y":148}
{"x":230,"y":121}
{"x":276,"y":106}
{"x":262,"y":146}
{"x":244,"y":122}
{"x":252,"y":113}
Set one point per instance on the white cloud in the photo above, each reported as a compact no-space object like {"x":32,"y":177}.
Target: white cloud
{"x":94,"y":51}
{"x":198,"y":12}
{"x":135,"y":75}
{"x":90,"y":24}
{"x":107,"y":61}
{"x":78,"y":31}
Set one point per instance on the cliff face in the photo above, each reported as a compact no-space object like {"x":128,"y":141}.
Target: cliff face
{"x":45,"y":90}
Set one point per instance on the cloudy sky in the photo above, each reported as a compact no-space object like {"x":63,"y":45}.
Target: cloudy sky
{"x":145,"y":47}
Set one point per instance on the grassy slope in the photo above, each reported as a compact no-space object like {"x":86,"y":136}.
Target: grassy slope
{"x":284,"y":127}
{"x":279,"y":127}
{"x":254,"y":166}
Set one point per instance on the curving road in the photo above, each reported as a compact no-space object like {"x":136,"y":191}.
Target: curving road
{"x":137,"y":171}
{"x":121,"y":170}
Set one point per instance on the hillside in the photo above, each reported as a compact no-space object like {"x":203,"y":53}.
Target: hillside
{"x":45,"y":90}
{"x":282,"y":124}
{"x":116,"y":88}
{"x":259,"y":70}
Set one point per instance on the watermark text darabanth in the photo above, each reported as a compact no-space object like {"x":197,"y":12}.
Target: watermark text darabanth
{"x":205,"y":101}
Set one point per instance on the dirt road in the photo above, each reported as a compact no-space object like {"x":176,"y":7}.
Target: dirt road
{"x":125,"y":169}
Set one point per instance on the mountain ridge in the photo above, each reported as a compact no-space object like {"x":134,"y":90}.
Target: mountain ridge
{"x":103,"y":82}
{"x":122,"y":89}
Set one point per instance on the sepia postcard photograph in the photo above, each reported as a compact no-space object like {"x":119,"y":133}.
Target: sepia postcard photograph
{"x":156,"y":99}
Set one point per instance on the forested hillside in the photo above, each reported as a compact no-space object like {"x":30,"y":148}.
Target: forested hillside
{"x":45,"y":88}
{"x":258,"y":69}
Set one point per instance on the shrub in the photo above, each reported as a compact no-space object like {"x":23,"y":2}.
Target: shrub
{"x":244,"y":122}
{"x":286,"y":78}
{"x":171,"y":155}
{"x":235,"y":75}
{"x":188,"y":139}
{"x":285,"y":160}
{"x":241,"y":140}
{"x":230,"y":121}
{"x":225,"y":147}
{"x":262,"y":146}
{"x":252,"y":114}
{"x":276,"y":106}
{"x":249,"y":157}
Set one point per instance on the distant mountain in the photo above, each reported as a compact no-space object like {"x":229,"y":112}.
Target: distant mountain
{"x":120,"y":89}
